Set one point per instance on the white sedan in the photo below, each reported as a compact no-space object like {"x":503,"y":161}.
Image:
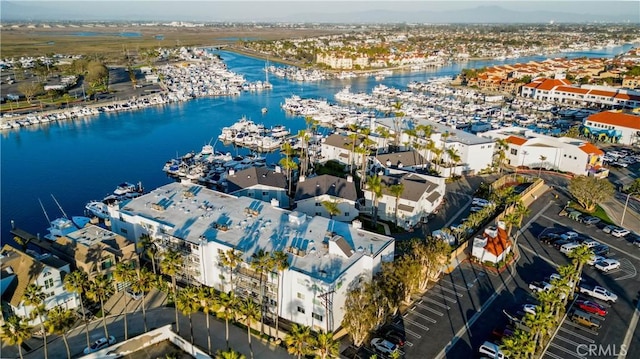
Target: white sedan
{"x":100,"y":344}
{"x":595,"y":259}
{"x":529,"y":308}
{"x":608,"y":264}
{"x":620,"y":232}
{"x":383,"y":346}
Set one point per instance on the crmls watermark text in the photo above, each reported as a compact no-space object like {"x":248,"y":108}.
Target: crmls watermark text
{"x":599,"y":350}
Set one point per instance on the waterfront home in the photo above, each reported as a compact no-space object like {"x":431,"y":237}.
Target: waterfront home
{"x":613,"y":126}
{"x":533,"y":150}
{"x":260,"y":183}
{"x":20,"y":269}
{"x":312,"y":192}
{"x":340,"y":148}
{"x":97,"y":250}
{"x":325,"y":257}
{"x":421,"y":196}
{"x":398,"y":162}
{"x":475,"y":152}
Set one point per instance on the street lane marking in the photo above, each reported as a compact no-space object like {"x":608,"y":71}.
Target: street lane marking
{"x":450,"y":300}
{"x":569,"y":341}
{"x":461,"y":287}
{"x":424,"y":306}
{"x":552,"y":263}
{"x":441,"y":305}
{"x":553,"y":355}
{"x":578,"y":326}
{"x":450,"y":291}
{"x":408,"y":331}
{"x":577,"y":335}
{"x":627,"y":267}
{"x":575,"y":354}
{"x":421,"y":326}
{"x":418,"y":314}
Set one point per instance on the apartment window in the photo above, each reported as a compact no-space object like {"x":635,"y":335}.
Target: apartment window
{"x":107,"y":263}
{"x":318,"y":214}
{"x":300,"y":296}
{"x":264,"y":193}
{"x":300,"y":309}
{"x":48,"y":283}
{"x":514,"y":151}
{"x":318,"y":204}
{"x":316,"y":316}
{"x":49,"y":294}
{"x":346,"y":214}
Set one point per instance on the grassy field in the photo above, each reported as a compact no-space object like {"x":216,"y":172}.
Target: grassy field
{"x":108,"y":43}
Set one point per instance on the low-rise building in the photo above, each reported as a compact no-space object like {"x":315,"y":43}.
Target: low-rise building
{"x":533,"y":150}
{"x":19,"y":270}
{"x":493,"y":245}
{"x":312,"y":192}
{"x":561,"y":91}
{"x":260,"y":183}
{"x":613,"y":126}
{"x":421,"y":196}
{"x":325,"y":257}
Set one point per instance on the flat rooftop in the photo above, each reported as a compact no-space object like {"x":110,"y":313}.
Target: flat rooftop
{"x":456,"y":135}
{"x":91,"y":234}
{"x":320,"y":247}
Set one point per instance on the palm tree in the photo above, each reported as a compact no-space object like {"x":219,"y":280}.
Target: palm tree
{"x":384,"y":133}
{"x":374,"y":184}
{"x":227,"y":310}
{"x":438,"y":153}
{"x":326,"y":347}
{"x":396,"y":190}
{"x":260,"y":262}
{"x":229,"y":354}
{"x":209,"y":304}
{"x":78,"y":282}
{"x":332,"y":208}
{"x":298,"y":340}
{"x":100,"y":289}
{"x":142,"y":283}
{"x":188,"y":302}
{"x":580,"y":256}
{"x":15,"y":331}
{"x":60,"y":321}
{"x":353,"y":140}
{"x":501,"y":146}
{"x":34,"y":296}
{"x":304,"y":137}
{"x":521,"y":211}
{"x":542,"y":160}
{"x":289,"y":165}
{"x":430,"y":147}
{"x":454,"y":158}
{"x":281,"y":262}
{"x":171,"y":265}
{"x":148,"y":249}
{"x":231,"y":259}
{"x":249,"y":312}
{"x":124,"y":274}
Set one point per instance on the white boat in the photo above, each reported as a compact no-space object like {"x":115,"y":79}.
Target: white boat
{"x":126,"y":189}
{"x":264,"y":110}
{"x":62,"y":226}
{"x":98,"y":209}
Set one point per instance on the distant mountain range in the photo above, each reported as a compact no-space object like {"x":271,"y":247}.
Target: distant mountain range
{"x":212,"y":12}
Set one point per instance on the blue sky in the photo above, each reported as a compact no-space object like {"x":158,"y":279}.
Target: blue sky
{"x":268,"y":10}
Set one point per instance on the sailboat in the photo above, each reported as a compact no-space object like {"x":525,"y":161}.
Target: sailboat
{"x":267,"y":85}
{"x":62,"y":226}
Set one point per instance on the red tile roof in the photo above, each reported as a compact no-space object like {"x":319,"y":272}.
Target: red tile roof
{"x":516,"y":140}
{"x":602,"y":93}
{"x":499,"y":244}
{"x":590,"y":149}
{"x":617,"y":119}
{"x":548,"y":84}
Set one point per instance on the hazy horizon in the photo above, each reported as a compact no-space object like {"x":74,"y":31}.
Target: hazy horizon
{"x":321,"y":11}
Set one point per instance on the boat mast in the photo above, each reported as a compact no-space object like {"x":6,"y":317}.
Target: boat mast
{"x":43,"y":210}
{"x":59,"y":206}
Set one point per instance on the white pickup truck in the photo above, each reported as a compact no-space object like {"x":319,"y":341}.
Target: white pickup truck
{"x":540,"y":286}
{"x":598,"y":293}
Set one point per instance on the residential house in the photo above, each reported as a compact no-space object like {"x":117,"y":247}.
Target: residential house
{"x":326,"y":258}
{"x":261,"y":183}
{"x":339,"y":147}
{"x":312,"y":192}
{"x":19,"y":270}
{"x":613,"y":126}
{"x":493,"y":245}
{"x":422,"y":195}
{"x":399,"y":162}
{"x":533,"y":150}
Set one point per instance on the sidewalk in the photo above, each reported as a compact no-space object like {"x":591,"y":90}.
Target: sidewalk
{"x":615,"y":209}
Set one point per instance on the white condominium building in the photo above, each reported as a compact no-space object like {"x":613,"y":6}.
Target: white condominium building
{"x":326,"y":258}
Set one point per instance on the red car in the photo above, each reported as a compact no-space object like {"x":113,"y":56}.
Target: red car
{"x":592,"y":307}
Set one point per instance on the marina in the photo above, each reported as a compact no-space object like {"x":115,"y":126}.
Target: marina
{"x":135,"y":144}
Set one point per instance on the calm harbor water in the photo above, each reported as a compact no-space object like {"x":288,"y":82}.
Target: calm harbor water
{"x":77,"y":161}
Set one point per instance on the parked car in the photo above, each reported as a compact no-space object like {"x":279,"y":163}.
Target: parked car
{"x":559,"y":243}
{"x":383,"y":346}
{"x":529,"y":308}
{"x":394,"y":337}
{"x":607,"y":265}
{"x":100,"y":344}
{"x":476,"y":209}
{"x":600,"y":250}
{"x":480,"y":202}
{"x":598,"y":292}
{"x":620,"y":232}
{"x":590,"y":220}
{"x":595,"y":259}
{"x":584,"y":319}
{"x":569,"y":235}
{"x":491,"y":350}
{"x":609,"y":228}
{"x":592,"y":307}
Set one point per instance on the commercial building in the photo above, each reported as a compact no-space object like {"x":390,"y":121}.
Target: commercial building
{"x":613,"y":126}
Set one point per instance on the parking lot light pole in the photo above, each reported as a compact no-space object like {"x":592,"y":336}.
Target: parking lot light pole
{"x":626,"y":203}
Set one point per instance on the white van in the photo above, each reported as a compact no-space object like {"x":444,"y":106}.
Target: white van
{"x":491,"y":350}
{"x":569,"y":247}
